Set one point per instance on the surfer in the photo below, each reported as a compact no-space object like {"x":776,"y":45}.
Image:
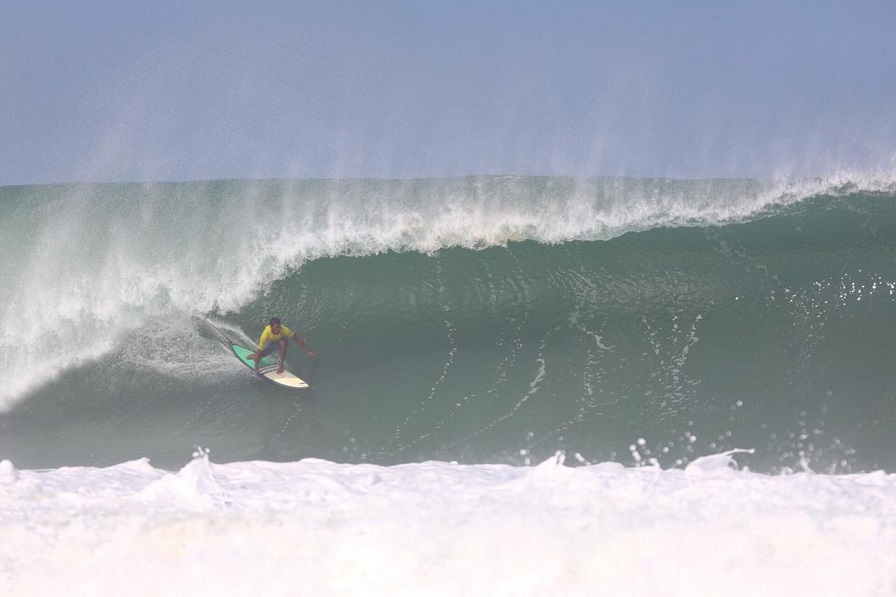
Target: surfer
{"x":277,"y":335}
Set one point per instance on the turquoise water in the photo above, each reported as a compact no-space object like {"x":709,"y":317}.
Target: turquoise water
{"x":479,"y":319}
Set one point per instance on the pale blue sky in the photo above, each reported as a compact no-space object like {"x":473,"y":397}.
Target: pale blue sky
{"x":162,"y":90}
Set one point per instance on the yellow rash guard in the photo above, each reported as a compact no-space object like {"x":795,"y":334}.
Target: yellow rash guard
{"x":268,"y":336}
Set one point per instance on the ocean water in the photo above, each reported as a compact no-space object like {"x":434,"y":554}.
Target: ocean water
{"x":481,"y":319}
{"x":564,"y":358}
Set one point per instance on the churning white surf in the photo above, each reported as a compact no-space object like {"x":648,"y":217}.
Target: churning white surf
{"x":314,"y":527}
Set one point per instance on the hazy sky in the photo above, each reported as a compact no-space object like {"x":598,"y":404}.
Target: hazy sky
{"x":162,"y":90}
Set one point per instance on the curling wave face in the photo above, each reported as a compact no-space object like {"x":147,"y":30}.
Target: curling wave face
{"x":479,"y":318}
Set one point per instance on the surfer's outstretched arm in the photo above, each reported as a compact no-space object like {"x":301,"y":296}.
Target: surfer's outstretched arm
{"x":304,"y":345}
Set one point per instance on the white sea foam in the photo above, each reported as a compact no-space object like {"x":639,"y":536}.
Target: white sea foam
{"x":317,"y":528}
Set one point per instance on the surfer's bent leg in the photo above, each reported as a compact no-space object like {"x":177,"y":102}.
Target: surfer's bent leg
{"x":263,"y":352}
{"x":283,"y":344}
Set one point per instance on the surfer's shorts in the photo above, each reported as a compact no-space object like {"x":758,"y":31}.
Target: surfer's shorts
{"x":273,"y":345}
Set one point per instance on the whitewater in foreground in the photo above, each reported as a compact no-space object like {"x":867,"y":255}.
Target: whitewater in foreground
{"x":315,"y":527}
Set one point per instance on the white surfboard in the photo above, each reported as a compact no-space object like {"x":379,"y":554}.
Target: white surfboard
{"x":286,"y":378}
{"x":267,"y":370}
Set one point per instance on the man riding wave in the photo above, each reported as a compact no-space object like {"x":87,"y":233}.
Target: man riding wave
{"x":276,"y":335}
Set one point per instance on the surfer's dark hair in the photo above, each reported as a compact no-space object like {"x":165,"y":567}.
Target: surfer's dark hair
{"x":275,"y":320}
